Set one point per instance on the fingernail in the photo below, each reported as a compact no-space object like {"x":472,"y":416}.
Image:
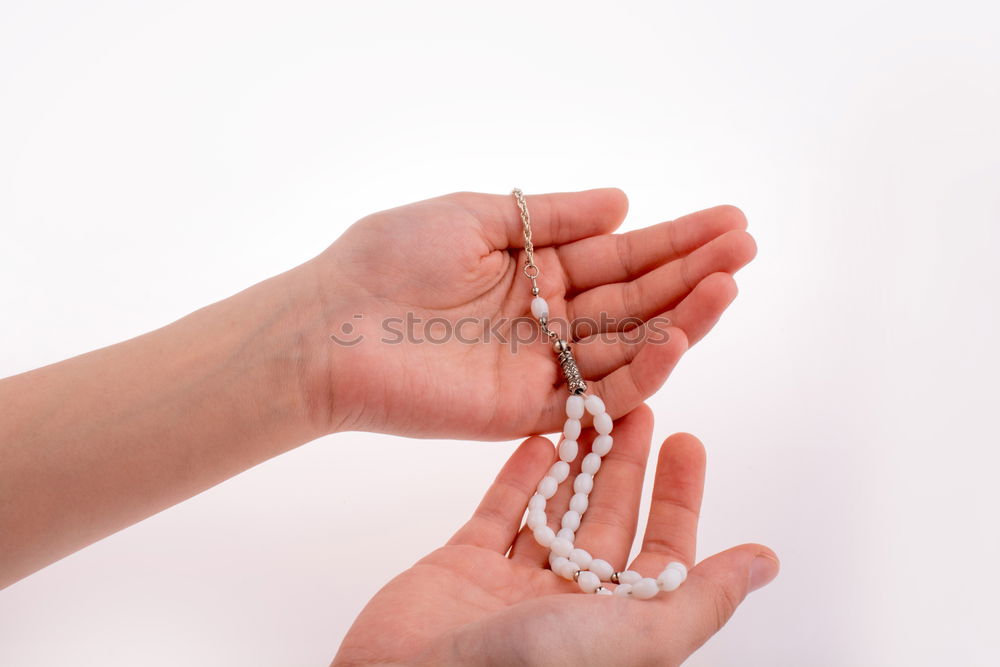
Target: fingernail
{"x":763,"y":570}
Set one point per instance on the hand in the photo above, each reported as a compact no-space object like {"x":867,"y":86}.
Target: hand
{"x":470,"y":603}
{"x":460,"y":256}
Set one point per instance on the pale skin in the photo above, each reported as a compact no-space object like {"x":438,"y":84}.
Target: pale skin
{"x":95,"y":443}
{"x":488,"y":598}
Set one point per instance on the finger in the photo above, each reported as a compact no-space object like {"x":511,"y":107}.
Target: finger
{"x":622,"y":257}
{"x":603,"y":353}
{"x":628,"y":386}
{"x":496,"y":520}
{"x":559,"y":217}
{"x":716,"y":587}
{"x":660,"y":289}
{"x":608,"y":527}
{"x":672,"y":527}
{"x":702,"y":308}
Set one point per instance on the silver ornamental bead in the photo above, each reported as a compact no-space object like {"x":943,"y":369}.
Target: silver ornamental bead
{"x":574,"y":381}
{"x":560,"y":346}
{"x":614,"y":578}
{"x":576,"y":575}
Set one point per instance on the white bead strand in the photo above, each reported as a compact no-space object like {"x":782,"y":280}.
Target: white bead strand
{"x":565,"y":558}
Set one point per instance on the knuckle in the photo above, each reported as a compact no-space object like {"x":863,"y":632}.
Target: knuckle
{"x":625,"y":255}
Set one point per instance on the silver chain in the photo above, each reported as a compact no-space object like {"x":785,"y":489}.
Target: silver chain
{"x":530,"y":270}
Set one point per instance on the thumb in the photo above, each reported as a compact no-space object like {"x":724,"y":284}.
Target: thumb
{"x":717,"y":586}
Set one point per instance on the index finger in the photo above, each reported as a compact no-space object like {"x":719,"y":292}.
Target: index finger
{"x":620,"y":258}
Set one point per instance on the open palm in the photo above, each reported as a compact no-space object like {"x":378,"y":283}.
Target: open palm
{"x":432,"y":298}
{"x":487,"y":597}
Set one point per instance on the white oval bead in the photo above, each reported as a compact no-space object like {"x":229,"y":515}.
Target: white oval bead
{"x":645,"y":588}
{"x":583,"y":483}
{"x":579,"y":503}
{"x":601,"y":568}
{"x":568,"y":449}
{"x":581,"y":557}
{"x":539,"y":308}
{"x":571,"y":520}
{"x":544,"y":535}
{"x":588,"y":581}
{"x":680,"y":567}
{"x":670,"y":579}
{"x":623,"y":590}
{"x":536,"y":519}
{"x":603,"y":423}
{"x":537,"y":502}
{"x":558,"y":563}
{"x":602,"y":445}
{"x":604,"y":591}
{"x":628,"y":577}
{"x":559,"y":471}
{"x":565,"y":568}
{"x":561,"y":546}
{"x":574,"y":406}
{"x":594,"y":404}
{"x":591,"y":463}
{"x":571,"y":429}
{"x":553,"y":558}
{"x":547,"y":487}
{"x":567,"y":534}
{"x":568,"y":570}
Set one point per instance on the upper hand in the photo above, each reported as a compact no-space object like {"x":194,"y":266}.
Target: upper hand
{"x":461,"y":256}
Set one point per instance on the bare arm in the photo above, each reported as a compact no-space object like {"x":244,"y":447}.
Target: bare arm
{"x":97,"y":442}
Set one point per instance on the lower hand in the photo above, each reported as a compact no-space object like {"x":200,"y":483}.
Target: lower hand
{"x":471,"y":602}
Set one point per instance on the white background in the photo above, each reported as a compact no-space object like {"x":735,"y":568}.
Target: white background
{"x":155,"y":157}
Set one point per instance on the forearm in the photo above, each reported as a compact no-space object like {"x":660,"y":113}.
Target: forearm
{"x":95,"y":443}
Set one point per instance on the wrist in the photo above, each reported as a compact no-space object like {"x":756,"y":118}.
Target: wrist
{"x":269,"y":343}
{"x":321,"y":327}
